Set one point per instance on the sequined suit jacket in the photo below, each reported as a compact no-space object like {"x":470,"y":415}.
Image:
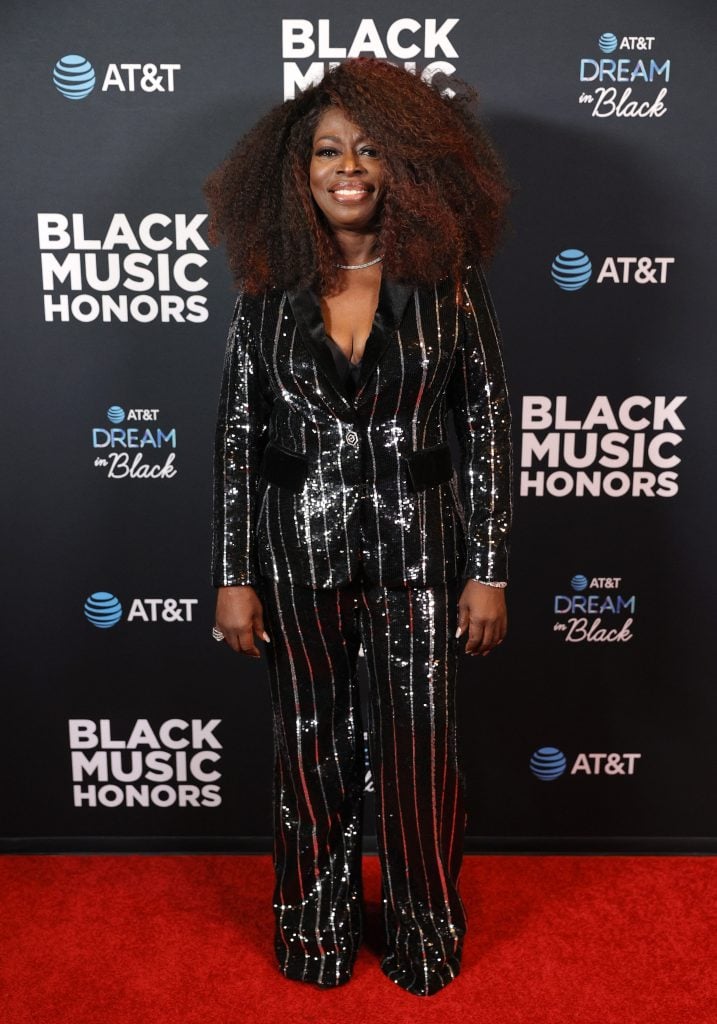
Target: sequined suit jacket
{"x":309,"y":482}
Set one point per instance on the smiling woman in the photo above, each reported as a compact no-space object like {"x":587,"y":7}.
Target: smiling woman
{"x":346,"y":177}
{"x":345,"y":167}
{"x":444,"y":189}
{"x":356,"y":218}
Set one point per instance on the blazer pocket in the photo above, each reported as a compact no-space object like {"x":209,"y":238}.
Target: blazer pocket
{"x":284,"y":467}
{"x":429,"y":466}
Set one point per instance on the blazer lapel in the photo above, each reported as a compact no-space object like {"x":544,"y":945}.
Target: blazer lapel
{"x":392,"y":300}
{"x":310,"y":325}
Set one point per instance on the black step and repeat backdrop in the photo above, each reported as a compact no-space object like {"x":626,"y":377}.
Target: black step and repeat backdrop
{"x":125,"y":725}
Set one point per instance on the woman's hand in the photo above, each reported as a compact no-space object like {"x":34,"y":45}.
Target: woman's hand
{"x":482,"y":611}
{"x":239,"y":615}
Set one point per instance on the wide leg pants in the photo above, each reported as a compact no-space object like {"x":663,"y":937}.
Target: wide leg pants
{"x":408,"y":637}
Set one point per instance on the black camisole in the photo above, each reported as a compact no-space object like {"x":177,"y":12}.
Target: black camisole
{"x":348,"y":371}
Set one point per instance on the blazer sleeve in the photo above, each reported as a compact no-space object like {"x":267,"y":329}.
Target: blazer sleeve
{"x":478,"y":396}
{"x":241,"y":433}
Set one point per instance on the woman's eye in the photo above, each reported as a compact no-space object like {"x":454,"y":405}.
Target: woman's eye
{"x":328,"y":150}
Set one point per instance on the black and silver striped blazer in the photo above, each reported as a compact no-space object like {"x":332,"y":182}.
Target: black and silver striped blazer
{"x":308,"y":482}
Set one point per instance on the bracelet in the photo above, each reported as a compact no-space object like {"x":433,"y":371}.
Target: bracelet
{"x":488,"y":583}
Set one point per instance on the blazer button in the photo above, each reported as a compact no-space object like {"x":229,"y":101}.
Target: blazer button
{"x":352,"y":438}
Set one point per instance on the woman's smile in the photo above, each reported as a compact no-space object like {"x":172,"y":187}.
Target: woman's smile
{"x":346,"y":173}
{"x":352,"y":192}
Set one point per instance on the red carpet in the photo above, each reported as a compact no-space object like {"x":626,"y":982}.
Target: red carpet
{"x":187,"y":940}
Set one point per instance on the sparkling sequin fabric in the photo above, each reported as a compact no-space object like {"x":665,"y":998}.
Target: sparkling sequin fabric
{"x":336,"y":497}
{"x":311,"y":480}
{"x":408,"y":636}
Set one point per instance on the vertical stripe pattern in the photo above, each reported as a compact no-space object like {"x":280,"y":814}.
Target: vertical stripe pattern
{"x":408,"y":639}
{"x":295,"y":456}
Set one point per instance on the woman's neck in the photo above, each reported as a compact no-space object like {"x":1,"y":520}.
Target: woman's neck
{"x":356,"y":248}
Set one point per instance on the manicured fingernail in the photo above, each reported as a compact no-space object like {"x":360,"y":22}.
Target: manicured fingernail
{"x":458,"y":632}
{"x":266,"y":637}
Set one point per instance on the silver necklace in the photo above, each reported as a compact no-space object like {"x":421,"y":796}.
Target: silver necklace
{"x":359,"y":266}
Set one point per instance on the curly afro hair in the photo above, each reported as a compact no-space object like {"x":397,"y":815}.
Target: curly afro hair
{"x":446,"y":188}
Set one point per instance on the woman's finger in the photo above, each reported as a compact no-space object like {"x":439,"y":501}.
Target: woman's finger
{"x":475,"y":635}
{"x":489,"y":638}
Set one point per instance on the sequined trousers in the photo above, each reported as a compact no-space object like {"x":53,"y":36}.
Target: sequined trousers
{"x":408,"y":638}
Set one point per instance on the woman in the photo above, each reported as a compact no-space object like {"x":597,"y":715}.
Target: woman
{"x":356,"y":217}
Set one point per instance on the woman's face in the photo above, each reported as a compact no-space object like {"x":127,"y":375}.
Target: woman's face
{"x":346,"y":173}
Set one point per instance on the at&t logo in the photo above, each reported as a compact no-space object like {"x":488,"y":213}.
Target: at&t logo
{"x":104,"y":610}
{"x":549,"y":763}
{"x":74,"y":77}
{"x":572,"y":269}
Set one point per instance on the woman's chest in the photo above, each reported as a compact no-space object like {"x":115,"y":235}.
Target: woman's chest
{"x":409,"y":348}
{"x":348,"y":317}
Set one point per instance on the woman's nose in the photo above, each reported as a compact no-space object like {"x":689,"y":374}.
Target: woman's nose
{"x":350,"y":161}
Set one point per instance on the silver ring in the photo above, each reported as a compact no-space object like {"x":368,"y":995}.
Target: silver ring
{"x":217,"y":633}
